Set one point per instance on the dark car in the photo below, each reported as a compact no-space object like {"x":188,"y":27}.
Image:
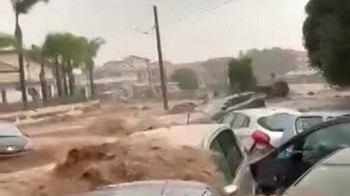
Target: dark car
{"x":158,"y":188}
{"x":12,"y":140}
{"x":217,"y":109}
{"x":283,"y":166}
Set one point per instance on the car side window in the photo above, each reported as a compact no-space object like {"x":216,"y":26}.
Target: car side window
{"x":221,"y":161}
{"x":319,"y":144}
{"x":229,"y":118}
{"x":325,"y":141}
{"x":231,"y":152}
{"x":277,"y":122}
{"x":240,"y":121}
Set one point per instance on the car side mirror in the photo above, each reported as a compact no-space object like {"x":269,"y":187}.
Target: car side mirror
{"x":230,"y":190}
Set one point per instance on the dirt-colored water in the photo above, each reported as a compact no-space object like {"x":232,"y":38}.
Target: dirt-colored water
{"x":90,"y":167}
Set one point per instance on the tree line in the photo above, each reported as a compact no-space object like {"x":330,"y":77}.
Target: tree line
{"x":62,"y":52}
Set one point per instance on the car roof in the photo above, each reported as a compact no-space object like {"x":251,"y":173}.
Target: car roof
{"x":193,"y":135}
{"x":326,"y":113}
{"x":341,"y":157}
{"x":259,"y":112}
{"x":157,"y":186}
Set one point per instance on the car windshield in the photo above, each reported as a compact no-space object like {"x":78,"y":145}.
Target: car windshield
{"x":214,"y":107}
{"x":8,"y":130}
{"x":327,"y":179}
{"x":227,"y":102}
{"x":306,"y":122}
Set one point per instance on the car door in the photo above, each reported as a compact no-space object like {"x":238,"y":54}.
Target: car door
{"x":229,"y":155}
{"x":281,"y":168}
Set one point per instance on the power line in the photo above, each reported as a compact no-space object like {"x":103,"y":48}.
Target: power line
{"x":210,"y":9}
{"x":150,"y":30}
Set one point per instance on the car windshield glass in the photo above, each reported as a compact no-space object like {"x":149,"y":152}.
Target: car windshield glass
{"x":7,"y":130}
{"x":214,"y":107}
{"x":277,"y":122}
{"x":329,"y":180}
{"x":306,"y":122}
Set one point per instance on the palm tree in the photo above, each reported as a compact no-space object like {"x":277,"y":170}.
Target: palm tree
{"x":52,"y":48}
{"x":36,"y":54}
{"x":93,"y":48}
{"x":22,"y":7}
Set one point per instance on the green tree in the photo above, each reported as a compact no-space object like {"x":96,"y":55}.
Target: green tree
{"x":51,"y":48}
{"x":68,"y":52}
{"x":327,"y":39}
{"x":7,"y":41}
{"x":92,"y":49}
{"x":21,"y":7}
{"x":240,"y":73}
{"x":187,"y":79}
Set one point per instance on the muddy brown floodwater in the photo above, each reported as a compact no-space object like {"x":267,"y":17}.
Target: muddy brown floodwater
{"x":90,"y":167}
{"x":74,"y":155}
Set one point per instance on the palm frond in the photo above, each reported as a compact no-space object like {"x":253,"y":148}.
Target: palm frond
{"x":24,"y":6}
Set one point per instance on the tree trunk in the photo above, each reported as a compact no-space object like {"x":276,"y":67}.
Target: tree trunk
{"x":71,"y":79}
{"x":91,"y":78}
{"x":19,"y":39}
{"x":3,"y":96}
{"x":43,"y":82}
{"x":64,"y":75}
{"x":58,"y":77}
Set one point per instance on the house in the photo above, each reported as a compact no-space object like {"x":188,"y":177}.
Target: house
{"x":9,"y":79}
{"x":134,"y":77}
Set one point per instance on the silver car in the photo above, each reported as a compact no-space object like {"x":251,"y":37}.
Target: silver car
{"x":158,"y":188}
{"x":329,"y":177}
{"x":12,"y":140}
{"x":298,"y":123}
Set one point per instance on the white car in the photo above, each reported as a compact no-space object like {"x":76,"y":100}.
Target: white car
{"x":214,"y":138}
{"x":265,"y":124}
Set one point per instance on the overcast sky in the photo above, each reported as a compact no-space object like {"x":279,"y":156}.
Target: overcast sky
{"x":192,"y":29}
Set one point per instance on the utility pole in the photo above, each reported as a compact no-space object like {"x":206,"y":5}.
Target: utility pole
{"x":160,"y":59}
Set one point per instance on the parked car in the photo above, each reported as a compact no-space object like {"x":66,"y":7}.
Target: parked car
{"x":12,"y":140}
{"x":329,"y":177}
{"x":220,"y":107}
{"x":307,"y":120}
{"x":281,"y":168}
{"x":157,"y":188}
{"x":265,"y":124}
{"x":215,"y":138}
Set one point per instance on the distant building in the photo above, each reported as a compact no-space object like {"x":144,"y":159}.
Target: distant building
{"x":9,"y":82}
{"x":133,"y":77}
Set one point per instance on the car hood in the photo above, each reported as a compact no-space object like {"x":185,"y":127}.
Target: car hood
{"x":12,"y":144}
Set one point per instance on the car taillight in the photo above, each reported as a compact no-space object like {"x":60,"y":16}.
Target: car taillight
{"x":260,"y":137}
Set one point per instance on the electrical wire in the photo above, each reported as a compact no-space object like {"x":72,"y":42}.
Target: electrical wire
{"x":183,"y":18}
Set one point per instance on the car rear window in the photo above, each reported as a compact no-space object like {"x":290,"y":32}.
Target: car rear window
{"x":277,"y":122}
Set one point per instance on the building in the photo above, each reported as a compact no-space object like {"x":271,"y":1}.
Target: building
{"x":9,"y":82}
{"x":134,"y":77}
